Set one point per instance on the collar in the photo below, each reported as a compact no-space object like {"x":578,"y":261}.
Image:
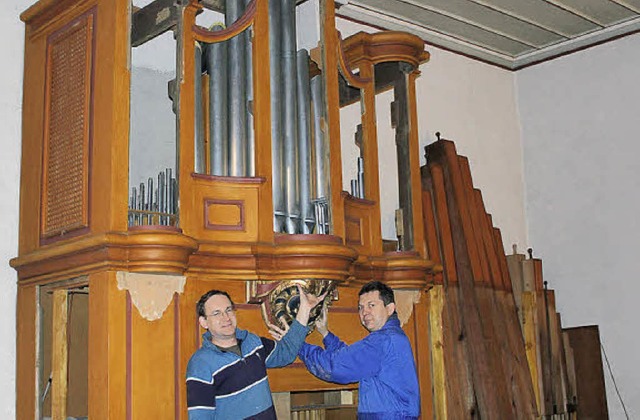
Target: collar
{"x":206,"y":339}
{"x":392,"y":322}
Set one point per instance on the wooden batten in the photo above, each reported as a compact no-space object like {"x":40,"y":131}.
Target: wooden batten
{"x":60,"y":358}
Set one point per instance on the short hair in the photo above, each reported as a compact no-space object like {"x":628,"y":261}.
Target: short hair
{"x":204,"y":298}
{"x":386,"y":293}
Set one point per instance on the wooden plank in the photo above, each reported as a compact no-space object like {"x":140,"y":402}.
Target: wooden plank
{"x":517,"y":379}
{"x":460,"y":396}
{"x":26,"y":359}
{"x":571,"y":375}
{"x":436,"y":307}
{"x":59,"y":357}
{"x":468,"y":269}
{"x":592,"y":401}
{"x":423,"y":353}
{"x":522,"y":375}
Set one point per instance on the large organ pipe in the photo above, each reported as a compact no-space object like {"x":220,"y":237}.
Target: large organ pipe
{"x":237,"y":92}
{"x":218,"y":110}
{"x":199,"y":120}
{"x":290,"y":111}
{"x":251,"y":138}
{"x":319,"y":144}
{"x":275,"y":63}
{"x":304,"y":141}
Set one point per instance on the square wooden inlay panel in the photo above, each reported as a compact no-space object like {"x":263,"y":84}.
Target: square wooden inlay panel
{"x":224,"y":214}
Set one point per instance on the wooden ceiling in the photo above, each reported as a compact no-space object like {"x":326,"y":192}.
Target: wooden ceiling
{"x":509,"y":33}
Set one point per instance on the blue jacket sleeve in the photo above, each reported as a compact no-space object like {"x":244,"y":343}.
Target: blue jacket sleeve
{"x":201,"y":402}
{"x":344,"y":364}
{"x":285,"y":350}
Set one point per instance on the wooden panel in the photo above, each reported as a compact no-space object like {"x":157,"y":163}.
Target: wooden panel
{"x":69,"y":69}
{"x":26,"y":398}
{"x":361,"y":231}
{"x":224,"y":214}
{"x":222,"y":208}
{"x":152,"y":373}
{"x":107,"y":348}
{"x":587,"y":357}
{"x":421,"y":332}
{"x":353,"y":231}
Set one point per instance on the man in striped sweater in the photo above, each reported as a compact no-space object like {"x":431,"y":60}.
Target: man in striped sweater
{"x":227,"y":376}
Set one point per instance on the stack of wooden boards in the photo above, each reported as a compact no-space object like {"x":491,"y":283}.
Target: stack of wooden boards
{"x":498,"y":348}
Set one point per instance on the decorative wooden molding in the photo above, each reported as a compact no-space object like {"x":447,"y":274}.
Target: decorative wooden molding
{"x":151,"y":294}
{"x":382,"y":47}
{"x":400,"y":270}
{"x":299,"y":256}
{"x":155,"y":251}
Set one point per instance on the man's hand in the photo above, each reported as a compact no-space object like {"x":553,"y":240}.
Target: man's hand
{"x":307,"y":303}
{"x":321,"y":322}
{"x":276,"y":332}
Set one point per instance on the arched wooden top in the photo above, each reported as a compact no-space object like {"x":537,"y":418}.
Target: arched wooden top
{"x":247,"y":18}
{"x":384,"y":47}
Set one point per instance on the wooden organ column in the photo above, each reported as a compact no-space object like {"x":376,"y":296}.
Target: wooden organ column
{"x":107,"y":288}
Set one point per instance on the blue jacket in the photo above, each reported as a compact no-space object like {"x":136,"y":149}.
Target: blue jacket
{"x":382,"y":363}
{"x":222,"y":385}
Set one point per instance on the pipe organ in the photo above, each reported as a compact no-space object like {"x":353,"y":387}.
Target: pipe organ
{"x":230,"y":176}
{"x":248,"y":199}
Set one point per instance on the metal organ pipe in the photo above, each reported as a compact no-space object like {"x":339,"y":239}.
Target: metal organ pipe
{"x":199,"y":120}
{"x":304,"y":141}
{"x":237,"y":92}
{"x":319,"y":145}
{"x":251,"y":138}
{"x":299,"y":150}
{"x":151,"y":204}
{"x":275,"y":63}
{"x":290,"y":111}
{"x":216,"y":63}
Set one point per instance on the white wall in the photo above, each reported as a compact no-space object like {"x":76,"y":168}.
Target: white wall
{"x":11,"y":50}
{"x":474,"y":105}
{"x":581,"y":145}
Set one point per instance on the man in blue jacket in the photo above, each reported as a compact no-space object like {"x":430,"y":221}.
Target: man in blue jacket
{"x":382,"y":362}
{"x":227,"y":376}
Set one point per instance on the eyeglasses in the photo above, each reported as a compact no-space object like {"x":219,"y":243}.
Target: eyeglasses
{"x":229,"y":312}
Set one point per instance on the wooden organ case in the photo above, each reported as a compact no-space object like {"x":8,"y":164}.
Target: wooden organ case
{"x":251,"y":202}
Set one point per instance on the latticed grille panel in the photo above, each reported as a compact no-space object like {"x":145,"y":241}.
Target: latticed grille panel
{"x":66,"y":143}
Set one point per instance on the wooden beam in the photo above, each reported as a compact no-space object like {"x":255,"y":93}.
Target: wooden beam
{"x":60,"y":356}
{"x":152,"y":20}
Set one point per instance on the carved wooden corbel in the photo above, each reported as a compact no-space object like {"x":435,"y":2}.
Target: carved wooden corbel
{"x":150,"y":293}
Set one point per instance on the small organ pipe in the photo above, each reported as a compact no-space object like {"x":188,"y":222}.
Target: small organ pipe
{"x":304,"y":141}
{"x":151,"y":204}
{"x":360,"y":177}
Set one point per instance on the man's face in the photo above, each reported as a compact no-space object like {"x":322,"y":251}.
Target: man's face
{"x":220,"y":319}
{"x":373,"y":313}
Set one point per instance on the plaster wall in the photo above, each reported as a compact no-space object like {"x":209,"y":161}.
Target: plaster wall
{"x":579,"y":118}
{"x":11,"y":50}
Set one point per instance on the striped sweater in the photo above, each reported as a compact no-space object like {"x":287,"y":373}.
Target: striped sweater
{"x":223,"y":385}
